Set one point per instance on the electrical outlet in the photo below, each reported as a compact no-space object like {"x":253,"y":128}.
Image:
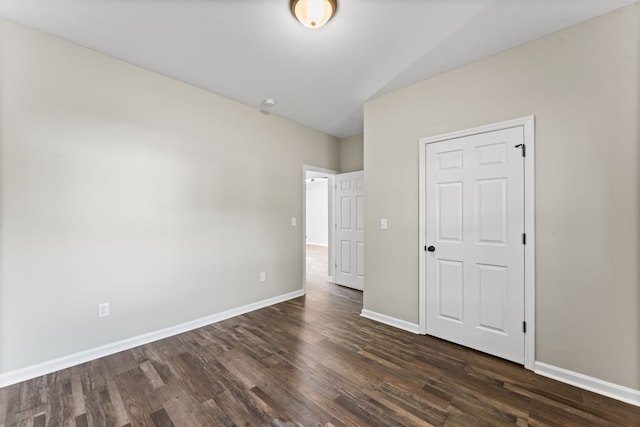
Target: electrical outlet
{"x":263,"y":276}
{"x":103,"y":309}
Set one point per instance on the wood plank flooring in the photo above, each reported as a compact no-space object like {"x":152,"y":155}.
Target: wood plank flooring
{"x":312,"y":361}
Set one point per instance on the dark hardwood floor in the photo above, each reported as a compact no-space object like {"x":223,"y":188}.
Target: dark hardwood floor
{"x":312,"y":361}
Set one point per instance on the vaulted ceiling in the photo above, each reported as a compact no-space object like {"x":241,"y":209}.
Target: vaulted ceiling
{"x":248,"y":50}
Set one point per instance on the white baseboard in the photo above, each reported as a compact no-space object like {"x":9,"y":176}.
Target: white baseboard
{"x":414,"y":328}
{"x":324,"y":245}
{"x":44,"y":368}
{"x":330,"y":279}
{"x":614,"y":391}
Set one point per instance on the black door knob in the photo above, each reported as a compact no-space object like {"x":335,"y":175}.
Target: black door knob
{"x":431,"y":249}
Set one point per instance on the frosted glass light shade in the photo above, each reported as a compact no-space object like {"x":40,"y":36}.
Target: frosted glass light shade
{"x":313,"y":13}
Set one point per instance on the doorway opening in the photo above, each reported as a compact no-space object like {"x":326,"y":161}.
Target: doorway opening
{"x":318,"y":218}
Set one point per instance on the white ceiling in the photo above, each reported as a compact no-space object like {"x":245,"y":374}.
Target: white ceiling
{"x":248,"y":50}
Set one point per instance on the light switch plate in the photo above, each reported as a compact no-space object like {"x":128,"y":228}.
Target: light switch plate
{"x":103,"y":309}
{"x":293,"y":222}
{"x":383,"y":223}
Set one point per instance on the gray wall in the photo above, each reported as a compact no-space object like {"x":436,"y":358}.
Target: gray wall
{"x":352,"y":153}
{"x":583,"y":86}
{"x":124,"y":186}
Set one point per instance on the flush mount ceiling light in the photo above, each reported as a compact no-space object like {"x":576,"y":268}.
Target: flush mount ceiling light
{"x":313,"y":13}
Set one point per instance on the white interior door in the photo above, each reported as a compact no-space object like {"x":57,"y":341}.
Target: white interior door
{"x":474,"y":242}
{"x":350,"y":229}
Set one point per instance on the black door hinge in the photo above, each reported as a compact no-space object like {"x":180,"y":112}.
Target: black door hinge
{"x":425,"y":248}
{"x":524,"y":149}
{"x":524,"y":327}
{"x":524,"y":238}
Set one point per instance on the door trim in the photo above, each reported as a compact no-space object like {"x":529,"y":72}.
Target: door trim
{"x":331,"y":238}
{"x":528,"y":125}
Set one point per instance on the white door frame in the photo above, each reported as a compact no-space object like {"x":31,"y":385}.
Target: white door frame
{"x":528,"y":125}
{"x":331,"y":185}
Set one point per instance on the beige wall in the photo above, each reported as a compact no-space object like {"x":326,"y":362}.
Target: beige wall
{"x":121,"y":185}
{"x":583,"y":86}
{"x":352,"y":153}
